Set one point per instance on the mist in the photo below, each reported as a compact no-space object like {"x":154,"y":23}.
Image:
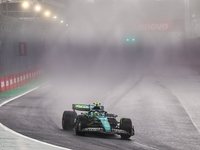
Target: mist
{"x":93,"y":54}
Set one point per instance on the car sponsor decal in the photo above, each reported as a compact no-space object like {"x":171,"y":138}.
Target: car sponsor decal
{"x":82,"y":106}
{"x":119,"y":131}
{"x":93,"y":129}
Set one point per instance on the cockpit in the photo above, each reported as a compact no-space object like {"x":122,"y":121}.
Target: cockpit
{"x":97,"y":113}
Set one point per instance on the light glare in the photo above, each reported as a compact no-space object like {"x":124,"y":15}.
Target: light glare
{"x":37,"y":8}
{"x":47,"y":13}
{"x":25,"y":4}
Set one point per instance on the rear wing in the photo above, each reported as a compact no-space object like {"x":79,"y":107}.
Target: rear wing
{"x":84,"y":107}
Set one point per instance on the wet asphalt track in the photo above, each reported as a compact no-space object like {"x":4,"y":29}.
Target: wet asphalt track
{"x":159,"y":119}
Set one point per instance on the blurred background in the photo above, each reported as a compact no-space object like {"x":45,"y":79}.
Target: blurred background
{"x":96,"y":41}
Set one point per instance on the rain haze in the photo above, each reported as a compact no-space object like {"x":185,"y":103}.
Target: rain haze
{"x":106,"y":42}
{"x":138,"y":58}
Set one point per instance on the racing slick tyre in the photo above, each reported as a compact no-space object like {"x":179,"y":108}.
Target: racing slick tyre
{"x":126,"y":124}
{"x":68,"y":120}
{"x":81,"y":122}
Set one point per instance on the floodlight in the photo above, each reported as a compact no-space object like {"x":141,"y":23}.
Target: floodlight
{"x":37,"y":8}
{"x":25,"y":4}
{"x":47,"y":13}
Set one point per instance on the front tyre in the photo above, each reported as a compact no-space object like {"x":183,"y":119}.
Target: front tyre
{"x":126,"y":124}
{"x":68,"y":120}
{"x":81,"y":123}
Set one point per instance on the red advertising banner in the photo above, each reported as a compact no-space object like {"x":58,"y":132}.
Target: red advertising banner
{"x":30,"y":75}
{"x":37,"y":73}
{"x":18,"y":80}
{"x":33,"y":73}
{"x":14,"y":81}
{"x":7,"y":84}
{"x":27,"y":77}
{"x":21,"y":79}
{"x":11,"y":82}
{"x":153,"y":26}
{"x":3,"y":85}
{"x":24,"y":78}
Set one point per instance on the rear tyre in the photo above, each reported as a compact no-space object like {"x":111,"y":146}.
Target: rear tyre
{"x":81,"y":123}
{"x":68,"y":120}
{"x":126,"y":124}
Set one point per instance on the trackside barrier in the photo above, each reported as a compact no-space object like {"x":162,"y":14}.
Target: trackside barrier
{"x":3,"y":85}
{"x":37,"y":73}
{"x":11,"y":82}
{"x":27,"y":77}
{"x":30,"y":77}
{"x":17,"y":80}
{"x":32,"y":72}
{"x":7,"y":84}
{"x":24,"y":78}
{"x":21,"y":79}
{"x":14,"y":81}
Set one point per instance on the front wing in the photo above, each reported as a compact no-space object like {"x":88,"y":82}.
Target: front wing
{"x":112,"y":131}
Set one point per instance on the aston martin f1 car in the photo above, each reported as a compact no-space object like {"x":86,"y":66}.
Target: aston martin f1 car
{"x":96,"y":120}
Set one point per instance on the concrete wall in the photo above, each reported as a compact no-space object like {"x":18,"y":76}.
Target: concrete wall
{"x":13,"y":31}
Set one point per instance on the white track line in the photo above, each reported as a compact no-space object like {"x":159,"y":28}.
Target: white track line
{"x":23,"y":136}
{"x":12,"y":99}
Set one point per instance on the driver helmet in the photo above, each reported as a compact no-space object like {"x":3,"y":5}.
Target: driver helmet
{"x":96,"y":113}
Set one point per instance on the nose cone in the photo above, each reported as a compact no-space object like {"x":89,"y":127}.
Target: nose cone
{"x":105,"y":124}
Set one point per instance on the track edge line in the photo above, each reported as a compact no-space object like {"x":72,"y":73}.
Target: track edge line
{"x":21,"y":135}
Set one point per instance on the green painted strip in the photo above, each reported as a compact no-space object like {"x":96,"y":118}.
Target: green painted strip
{"x":23,"y":89}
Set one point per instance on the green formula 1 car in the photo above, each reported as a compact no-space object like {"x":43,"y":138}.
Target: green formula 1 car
{"x":96,"y":120}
